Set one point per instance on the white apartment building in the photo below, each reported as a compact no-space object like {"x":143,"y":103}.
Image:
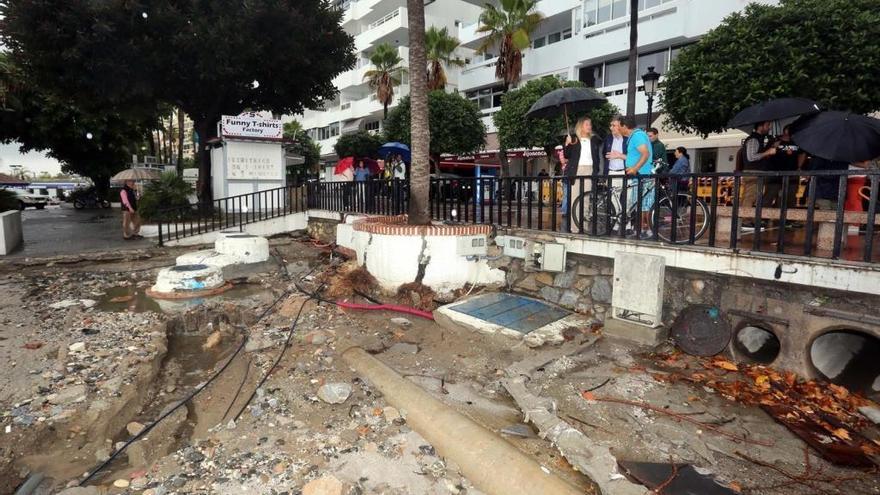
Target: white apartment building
{"x":586,"y":40}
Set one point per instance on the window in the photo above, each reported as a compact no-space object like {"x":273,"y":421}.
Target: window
{"x":554,"y":38}
{"x":589,"y":13}
{"x":591,"y":76}
{"x":616,"y":73}
{"x":618,"y":9}
{"x":334,"y":129}
{"x":656,"y":60}
{"x":603,"y":14}
{"x":486,"y":98}
{"x":372,"y":126}
{"x":578,"y":12}
{"x":539,"y":42}
{"x":566,"y":34}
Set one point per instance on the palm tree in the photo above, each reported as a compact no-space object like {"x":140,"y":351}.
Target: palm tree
{"x":633,"y":58}
{"x":386,"y":75}
{"x":510,"y":29}
{"x":440,"y":47}
{"x":420,"y":168}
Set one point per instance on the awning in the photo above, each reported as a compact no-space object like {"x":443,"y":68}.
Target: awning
{"x":713,"y":141}
{"x":453,"y":165}
{"x":351,"y":126}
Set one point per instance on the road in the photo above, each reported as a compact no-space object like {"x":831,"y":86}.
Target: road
{"x":66,"y":231}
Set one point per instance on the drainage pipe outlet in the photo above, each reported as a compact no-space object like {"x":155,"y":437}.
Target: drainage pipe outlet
{"x":488,"y":461}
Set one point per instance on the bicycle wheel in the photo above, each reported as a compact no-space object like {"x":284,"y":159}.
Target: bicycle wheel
{"x":605,"y":214}
{"x":681,"y":225}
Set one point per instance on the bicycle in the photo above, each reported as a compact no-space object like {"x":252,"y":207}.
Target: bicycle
{"x":669,"y":216}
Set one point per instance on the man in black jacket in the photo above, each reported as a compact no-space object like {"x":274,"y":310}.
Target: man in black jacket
{"x":583,"y":155}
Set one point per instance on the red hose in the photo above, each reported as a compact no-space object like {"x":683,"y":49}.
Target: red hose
{"x":387,"y":307}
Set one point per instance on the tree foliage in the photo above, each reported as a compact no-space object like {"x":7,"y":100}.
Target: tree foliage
{"x":825,"y":50}
{"x":385,"y":74}
{"x":302,"y":144}
{"x":509,"y":29}
{"x":169,"y":192}
{"x":515,"y":130}
{"x":361,"y":144}
{"x":207,"y":57}
{"x":87,"y":142}
{"x":440,"y":49}
{"x":455,"y":123}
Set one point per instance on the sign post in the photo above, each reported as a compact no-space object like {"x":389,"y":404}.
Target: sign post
{"x":248,"y":158}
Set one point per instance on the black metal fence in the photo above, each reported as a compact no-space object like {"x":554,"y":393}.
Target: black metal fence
{"x":230,"y":213}
{"x":830,"y":214}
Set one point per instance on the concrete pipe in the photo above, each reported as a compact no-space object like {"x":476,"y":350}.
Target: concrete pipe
{"x":245,"y":248}
{"x":492,"y":464}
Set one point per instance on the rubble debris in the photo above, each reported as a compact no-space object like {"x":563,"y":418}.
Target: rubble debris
{"x":334,"y":393}
{"x":348,"y":280}
{"x":519,"y":430}
{"x":417,"y":295}
{"x":673,"y":479}
{"x":401,"y":322}
{"x":327,"y":485}
{"x":824,"y":415}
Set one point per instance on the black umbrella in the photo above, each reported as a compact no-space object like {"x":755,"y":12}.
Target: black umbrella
{"x":839,"y":136}
{"x":565,"y":100}
{"x":783,"y":111}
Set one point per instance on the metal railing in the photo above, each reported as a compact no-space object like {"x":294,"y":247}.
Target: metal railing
{"x":230,"y":213}
{"x":827,"y":214}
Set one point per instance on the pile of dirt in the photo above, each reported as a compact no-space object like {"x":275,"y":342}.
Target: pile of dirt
{"x":349,"y":280}
{"x":416,"y":295}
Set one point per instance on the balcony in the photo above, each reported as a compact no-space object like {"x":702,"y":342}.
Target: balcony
{"x":365,"y":11}
{"x":392,"y":28}
{"x":470,"y":38}
{"x":354,"y":78}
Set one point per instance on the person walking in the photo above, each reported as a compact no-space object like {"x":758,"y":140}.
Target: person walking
{"x":638,"y":163}
{"x":131,"y":221}
{"x":659,"y":153}
{"x":583,"y":159}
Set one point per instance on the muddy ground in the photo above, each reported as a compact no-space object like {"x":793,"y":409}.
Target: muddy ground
{"x":90,"y":361}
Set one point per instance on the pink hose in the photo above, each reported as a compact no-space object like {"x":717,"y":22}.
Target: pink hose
{"x":387,"y":307}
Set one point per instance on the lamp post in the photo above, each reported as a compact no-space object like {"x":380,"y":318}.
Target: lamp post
{"x":651,"y":80}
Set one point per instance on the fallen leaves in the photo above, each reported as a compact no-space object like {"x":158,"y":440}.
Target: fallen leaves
{"x":589,"y":396}
{"x":725,"y":365}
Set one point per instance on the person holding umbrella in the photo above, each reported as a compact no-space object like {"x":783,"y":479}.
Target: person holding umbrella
{"x":582,"y":155}
{"x":757,"y":150}
{"x":131,"y":221}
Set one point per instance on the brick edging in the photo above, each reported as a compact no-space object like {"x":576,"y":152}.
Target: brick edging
{"x":396,"y":225}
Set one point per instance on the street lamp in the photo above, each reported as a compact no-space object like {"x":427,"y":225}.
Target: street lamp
{"x":651,"y":80}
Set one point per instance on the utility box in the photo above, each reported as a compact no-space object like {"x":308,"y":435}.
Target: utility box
{"x":515,"y":247}
{"x":472,"y":245}
{"x":549,"y":257}
{"x":637,"y":295}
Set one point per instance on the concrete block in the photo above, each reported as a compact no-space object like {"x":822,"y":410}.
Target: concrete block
{"x":633,"y":332}
{"x":246,"y":248}
{"x":11,"y":235}
{"x":183,"y":278}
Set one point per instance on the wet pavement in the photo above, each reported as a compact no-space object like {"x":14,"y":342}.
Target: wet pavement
{"x":66,"y":231}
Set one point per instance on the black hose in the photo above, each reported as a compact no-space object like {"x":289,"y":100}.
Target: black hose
{"x":247,"y":370}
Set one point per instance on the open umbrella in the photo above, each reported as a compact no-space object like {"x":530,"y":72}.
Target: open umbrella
{"x":564,"y":100}
{"x":395,"y":148}
{"x":839,"y":136}
{"x":780,"y":111}
{"x":343,"y":165}
{"x":137,"y":174}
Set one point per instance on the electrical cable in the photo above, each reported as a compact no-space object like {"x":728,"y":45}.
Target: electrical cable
{"x":187,"y":399}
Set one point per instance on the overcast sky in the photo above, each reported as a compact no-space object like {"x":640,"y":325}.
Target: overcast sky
{"x":35,"y":162}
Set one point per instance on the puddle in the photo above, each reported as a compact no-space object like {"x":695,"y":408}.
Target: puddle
{"x":135,"y":299}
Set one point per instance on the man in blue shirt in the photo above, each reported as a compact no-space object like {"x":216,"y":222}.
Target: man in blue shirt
{"x":637,"y":161}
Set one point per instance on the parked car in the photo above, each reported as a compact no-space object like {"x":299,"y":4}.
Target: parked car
{"x":26,"y":199}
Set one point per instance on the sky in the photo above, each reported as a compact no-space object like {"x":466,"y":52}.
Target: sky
{"x":34,"y":161}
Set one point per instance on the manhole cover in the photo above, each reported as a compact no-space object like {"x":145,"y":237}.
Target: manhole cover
{"x":515,"y":312}
{"x":701,"y":330}
{"x":189,"y":268}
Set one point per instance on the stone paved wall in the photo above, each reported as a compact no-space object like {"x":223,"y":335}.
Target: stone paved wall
{"x":323,"y":230}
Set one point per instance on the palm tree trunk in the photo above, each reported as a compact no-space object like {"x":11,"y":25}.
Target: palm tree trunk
{"x":633,"y":57}
{"x":420,"y":169}
{"x":180,"y":138}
